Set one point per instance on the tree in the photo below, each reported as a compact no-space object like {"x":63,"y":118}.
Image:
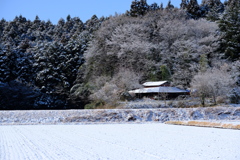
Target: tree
{"x":213,"y":14}
{"x":203,"y":63}
{"x":7,"y":64}
{"x":184,"y":4}
{"x":212,"y":83}
{"x":37,"y":20}
{"x":165,"y":72}
{"x":153,"y":7}
{"x":93,"y":24}
{"x":229,"y":26}
{"x":169,"y":5}
{"x":210,"y":4}
{"x":68,"y":18}
{"x":161,"y":6}
{"x":138,"y":8}
{"x":193,"y":9}
{"x":211,"y":9}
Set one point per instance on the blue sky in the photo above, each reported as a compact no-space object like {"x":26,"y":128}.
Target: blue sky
{"x":53,"y":10}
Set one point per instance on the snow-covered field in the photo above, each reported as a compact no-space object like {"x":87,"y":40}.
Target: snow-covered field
{"x":148,"y":141}
{"x":118,"y":115}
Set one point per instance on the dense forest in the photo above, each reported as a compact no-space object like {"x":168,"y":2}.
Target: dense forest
{"x":74,"y":64}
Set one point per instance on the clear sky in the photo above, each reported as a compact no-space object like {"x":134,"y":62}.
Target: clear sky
{"x":53,"y":10}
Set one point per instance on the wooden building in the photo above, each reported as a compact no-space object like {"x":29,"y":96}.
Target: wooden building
{"x":158,"y":90}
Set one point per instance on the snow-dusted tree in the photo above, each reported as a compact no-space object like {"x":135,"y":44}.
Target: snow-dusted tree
{"x":209,"y":4}
{"x":212,"y":9}
{"x":138,"y":8}
{"x":126,"y":80}
{"x":7,"y":64}
{"x":56,"y":65}
{"x":184,"y":4}
{"x":110,"y":90}
{"x":230,"y":26}
{"x":169,"y":5}
{"x":193,"y":9}
{"x":108,"y":94}
{"x":161,"y":6}
{"x":213,"y":14}
{"x":213,"y":83}
{"x":93,"y":24}
{"x":153,"y":7}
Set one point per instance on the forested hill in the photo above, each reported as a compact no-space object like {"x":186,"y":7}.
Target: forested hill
{"x":40,"y":61}
{"x":70,"y":64}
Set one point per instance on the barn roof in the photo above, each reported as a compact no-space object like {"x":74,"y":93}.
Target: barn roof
{"x":159,"y":90}
{"x":157,"y":83}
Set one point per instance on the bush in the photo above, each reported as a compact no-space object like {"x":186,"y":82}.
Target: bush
{"x":234,"y":96}
{"x":94,"y":105}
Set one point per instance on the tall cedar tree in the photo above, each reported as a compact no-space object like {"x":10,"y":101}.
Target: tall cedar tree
{"x":230,"y":27}
{"x":193,"y":9}
{"x":138,"y":8}
{"x":184,"y":4}
{"x":169,"y":5}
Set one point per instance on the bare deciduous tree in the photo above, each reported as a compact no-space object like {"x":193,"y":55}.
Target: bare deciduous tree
{"x":213,"y":83}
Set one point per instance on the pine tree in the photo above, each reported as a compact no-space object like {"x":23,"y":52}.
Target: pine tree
{"x":211,"y":9}
{"x":68,"y":18}
{"x":169,"y":5}
{"x":184,"y":4}
{"x":153,"y":7}
{"x":213,"y":14}
{"x":209,"y":4}
{"x":37,"y":20}
{"x":230,"y":27}
{"x":193,"y":9}
{"x":138,"y":8}
{"x":161,"y":6}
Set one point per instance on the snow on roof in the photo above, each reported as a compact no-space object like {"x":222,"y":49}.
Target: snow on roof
{"x":159,"y":90}
{"x":157,"y":83}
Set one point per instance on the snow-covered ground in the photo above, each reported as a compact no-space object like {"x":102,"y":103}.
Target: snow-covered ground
{"x":148,"y":141}
{"x":118,"y":115}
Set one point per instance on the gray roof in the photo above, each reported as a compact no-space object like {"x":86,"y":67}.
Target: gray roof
{"x":159,"y":90}
{"x":157,"y":83}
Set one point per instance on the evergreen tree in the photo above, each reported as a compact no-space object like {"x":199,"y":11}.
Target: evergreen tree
{"x":211,"y":9}
{"x":37,"y":20}
{"x":193,"y":9}
{"x":165,"y":72}
{"x":184,"y":4}
{"x":203,"y":62}
{"x":93,"y":24}
{"x":138,"y":8}
{"x":230,"y":27}
{"x":153,"y":7}
{"x":161,"y":6}
{"x":169,"y":5}
{"x":213,"y":14}
{"x":68,"y":18}
{"x":209,"y":4}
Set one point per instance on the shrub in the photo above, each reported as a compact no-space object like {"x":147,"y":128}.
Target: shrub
{"x":94,"y":105}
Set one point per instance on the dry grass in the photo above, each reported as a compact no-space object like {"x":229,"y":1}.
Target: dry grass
{"x":205,"y":124}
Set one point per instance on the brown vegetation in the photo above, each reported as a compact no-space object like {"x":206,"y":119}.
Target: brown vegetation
{"x":206,"y":124}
